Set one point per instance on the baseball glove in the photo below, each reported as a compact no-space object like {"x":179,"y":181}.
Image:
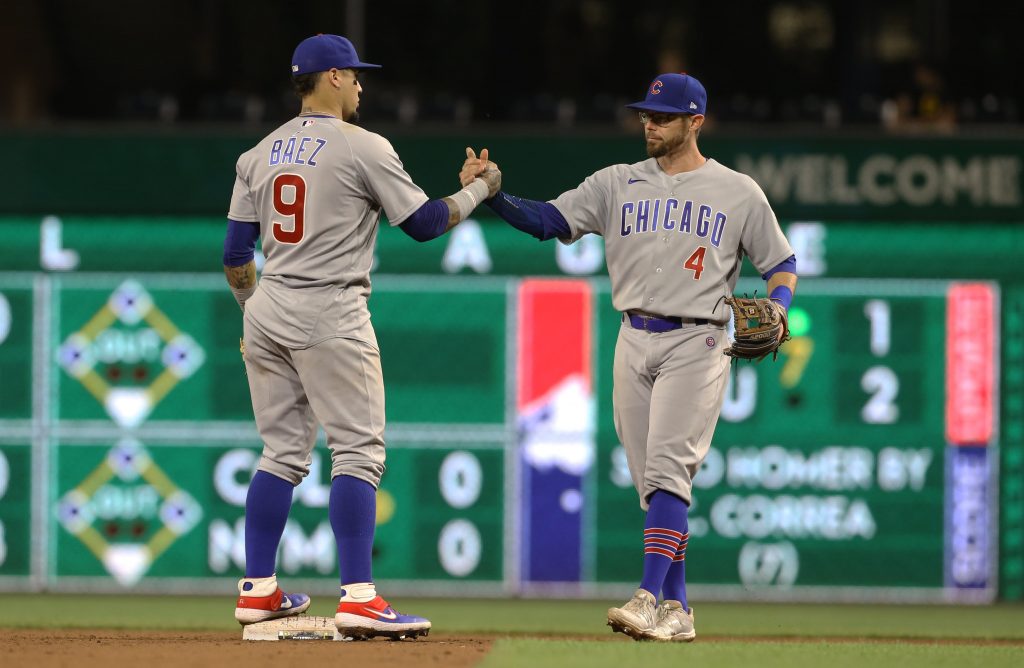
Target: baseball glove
{"x":759,"y":322}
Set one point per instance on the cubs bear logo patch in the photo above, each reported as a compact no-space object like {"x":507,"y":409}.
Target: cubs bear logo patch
{"x":710,"y":341}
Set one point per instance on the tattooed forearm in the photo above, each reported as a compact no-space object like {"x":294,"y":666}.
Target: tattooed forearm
{"x":241,"y":277}
{"x":242,"y":281}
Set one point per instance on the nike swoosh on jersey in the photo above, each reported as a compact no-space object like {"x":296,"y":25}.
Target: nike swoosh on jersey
{"x":382,"y":615}
{"x":636,"y":180}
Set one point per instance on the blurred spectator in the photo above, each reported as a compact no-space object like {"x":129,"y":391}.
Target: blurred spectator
{"x":27,"y":76}
{"x":808,"y":63}
{"x":925,"y":107}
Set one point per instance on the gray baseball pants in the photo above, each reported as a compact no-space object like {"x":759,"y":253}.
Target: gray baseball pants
{"x":337,"y":383}
{"x":667,"y":396}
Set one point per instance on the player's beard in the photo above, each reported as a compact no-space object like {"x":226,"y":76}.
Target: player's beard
{"x":352,"y":118}
{"x":666,"y":146}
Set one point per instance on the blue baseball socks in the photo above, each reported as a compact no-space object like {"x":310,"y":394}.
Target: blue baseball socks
{"x":674,"y":588}
{"x":665,"y":536}
{"x":353,"y":512}
{"x":266,"y":511}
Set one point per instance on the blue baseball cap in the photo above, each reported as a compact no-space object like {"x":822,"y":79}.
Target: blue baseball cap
{"x":323,"y":52}
{"x":674,"y":94}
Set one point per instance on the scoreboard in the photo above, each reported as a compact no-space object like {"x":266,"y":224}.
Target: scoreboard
{"x":832,"y":467}
{"x":859,"y":465}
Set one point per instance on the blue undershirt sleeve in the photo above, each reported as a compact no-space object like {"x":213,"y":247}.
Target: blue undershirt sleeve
{"x":787,"y":265}
{"x":782,"y":293}
{"x":538,"y":219}
{"x":427,"y":222}
{"x":240,"y":243}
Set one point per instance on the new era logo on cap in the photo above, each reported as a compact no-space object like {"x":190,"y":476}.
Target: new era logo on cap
{"x":674,"y":93}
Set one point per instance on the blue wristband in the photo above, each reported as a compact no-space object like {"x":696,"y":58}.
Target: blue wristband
{"x":783,"y":295}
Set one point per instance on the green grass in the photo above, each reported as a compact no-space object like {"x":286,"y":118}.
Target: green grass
{"x":532,"y":617}
{"x":572,"y":654}
{"x":534,"y":633}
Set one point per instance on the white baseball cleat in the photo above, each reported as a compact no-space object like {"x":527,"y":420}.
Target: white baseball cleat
{"x":637,"y":618}
{"x":674,"y":623}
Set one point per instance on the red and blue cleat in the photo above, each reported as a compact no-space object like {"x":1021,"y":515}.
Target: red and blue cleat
{"x":377,"y":619}
{"x":260,"y":599}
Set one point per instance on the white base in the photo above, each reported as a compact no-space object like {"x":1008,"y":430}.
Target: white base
{"x":301,"y":627}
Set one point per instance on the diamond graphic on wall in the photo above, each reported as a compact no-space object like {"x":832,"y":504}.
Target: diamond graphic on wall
{"x":129,"y":356}
{"x":128,"y":512}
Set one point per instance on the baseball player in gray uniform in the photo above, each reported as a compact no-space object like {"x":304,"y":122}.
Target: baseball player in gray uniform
{"x":314,"y":190}
{"x":675,"y":228}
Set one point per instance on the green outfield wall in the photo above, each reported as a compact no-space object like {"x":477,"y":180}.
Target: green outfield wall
{"x":874,"y":177}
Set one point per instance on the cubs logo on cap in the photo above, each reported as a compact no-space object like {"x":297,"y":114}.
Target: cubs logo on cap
{"x":324,"y":52}
{"x":674,"y":93}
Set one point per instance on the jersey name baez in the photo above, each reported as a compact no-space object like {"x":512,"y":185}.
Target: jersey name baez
{"x":317,"y":186}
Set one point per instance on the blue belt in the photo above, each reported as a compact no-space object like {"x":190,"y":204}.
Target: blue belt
{"x":657,"y":324}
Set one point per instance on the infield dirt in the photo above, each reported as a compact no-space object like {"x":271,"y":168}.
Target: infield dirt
{"x":82,"y":648}
{"x":78,"y":648}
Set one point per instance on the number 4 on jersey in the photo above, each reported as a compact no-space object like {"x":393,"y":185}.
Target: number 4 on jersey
{"x":696,"y":262}
{"x":296,"y":208}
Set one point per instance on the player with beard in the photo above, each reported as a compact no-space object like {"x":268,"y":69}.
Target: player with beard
{"x":675,"y":228}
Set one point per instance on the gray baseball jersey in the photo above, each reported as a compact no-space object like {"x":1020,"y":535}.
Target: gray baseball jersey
{"x":674,"y":244}
{"x":317,"y":187}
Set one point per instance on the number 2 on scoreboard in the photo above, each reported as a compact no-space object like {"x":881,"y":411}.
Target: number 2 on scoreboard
{"x":295,"y":208}
{"x":882,"y":384}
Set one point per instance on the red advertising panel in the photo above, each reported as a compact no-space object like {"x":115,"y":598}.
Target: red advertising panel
{"x":555,"y":415}
{"x":970,"y":363}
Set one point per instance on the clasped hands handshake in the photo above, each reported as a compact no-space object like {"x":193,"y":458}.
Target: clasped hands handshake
{"x":480,"y":168}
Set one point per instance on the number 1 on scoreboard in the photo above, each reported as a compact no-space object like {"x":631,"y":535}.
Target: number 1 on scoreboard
{"x":877,"y":312}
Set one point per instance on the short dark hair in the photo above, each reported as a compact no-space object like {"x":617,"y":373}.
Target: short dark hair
{"x":305,"y":84}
